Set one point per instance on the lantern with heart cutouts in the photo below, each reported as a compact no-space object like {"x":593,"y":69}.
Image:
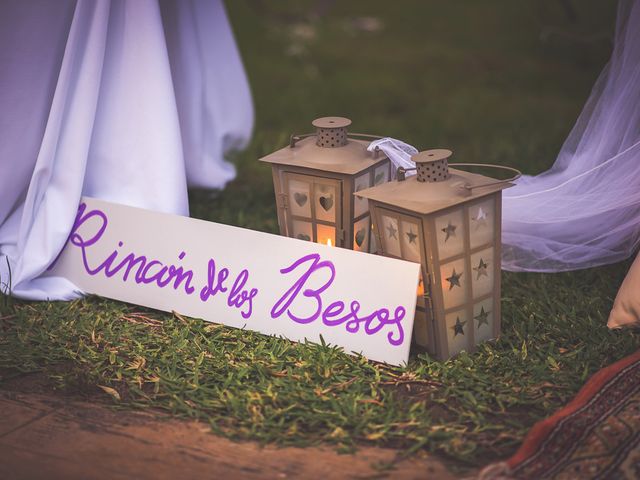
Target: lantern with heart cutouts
{"x":448,"y":220}
{"x":315,"y":178}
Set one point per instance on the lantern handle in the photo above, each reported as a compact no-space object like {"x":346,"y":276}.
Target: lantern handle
{"x":468,"y":187}
{"x":365,"y":135}
{"x":295,"y":138}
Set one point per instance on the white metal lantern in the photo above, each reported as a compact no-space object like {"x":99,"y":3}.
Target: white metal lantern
{"x":448,"y":221}
{"x":315,"y":178}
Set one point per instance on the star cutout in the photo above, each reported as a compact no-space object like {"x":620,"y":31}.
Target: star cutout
{"x":392,"y":231}
{"x":454,"y":279}
{"x":480,"y":218}
{"x":482,"y":317}
{"x":481,"y":269}
{"x":412,"y":236}
{"x":449,"y":230}
{"x":458,"y":328}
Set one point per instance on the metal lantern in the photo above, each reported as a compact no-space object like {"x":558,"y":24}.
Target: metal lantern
{"x":448,"y":221}
{"x":315,"y":178}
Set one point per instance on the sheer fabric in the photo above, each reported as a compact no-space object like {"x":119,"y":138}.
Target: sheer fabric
{"x":398,"y":152}
{"x":585,"y":210}
{"x":124,"y":101}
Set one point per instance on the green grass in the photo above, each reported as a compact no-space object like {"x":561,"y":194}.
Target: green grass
{"x":475,"y":77}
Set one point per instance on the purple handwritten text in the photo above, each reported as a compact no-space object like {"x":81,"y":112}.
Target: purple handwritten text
{"x":89,"y":228}
{"x":306,"y":305}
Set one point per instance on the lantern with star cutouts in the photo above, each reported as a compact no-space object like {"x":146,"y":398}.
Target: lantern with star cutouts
{"x":315,"y":178}
{"x":447,"y":220}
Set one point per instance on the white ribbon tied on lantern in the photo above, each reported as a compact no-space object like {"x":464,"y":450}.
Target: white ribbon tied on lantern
{"x":397,"y":151}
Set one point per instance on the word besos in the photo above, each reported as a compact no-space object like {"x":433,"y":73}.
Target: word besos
{"x":335,"y":313}
{"x":304,"y":302}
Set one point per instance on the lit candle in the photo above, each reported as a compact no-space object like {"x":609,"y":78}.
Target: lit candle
{"x":329,"y":242}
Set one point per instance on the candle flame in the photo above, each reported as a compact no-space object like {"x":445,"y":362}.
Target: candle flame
{"x":329,"y":242}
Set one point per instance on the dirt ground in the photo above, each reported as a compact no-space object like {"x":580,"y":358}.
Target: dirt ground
{"x":44,"y":434}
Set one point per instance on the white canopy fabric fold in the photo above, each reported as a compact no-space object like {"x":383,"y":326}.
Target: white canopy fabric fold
{"x":124,"y":101}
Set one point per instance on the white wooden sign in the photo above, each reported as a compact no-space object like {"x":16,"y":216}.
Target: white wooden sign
{"x":243,"y":278}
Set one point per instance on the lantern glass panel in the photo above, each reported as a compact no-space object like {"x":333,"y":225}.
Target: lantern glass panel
{"x":458,"y":331}
{"x":454,"y":283}
{"x":325,"y":202}
{"x":482,"y":273}
{"x":373,"y":244}
{"x":361,"y":205}
{"x":391,"y":236}
{"x":326,"y":234}
{"x":420,"y":291}
{"x":299,"y":198}
{"x":483,"y":320}
{"x":410,"y":241}
{"x":361,"y":234}
{"x":481,"y":223}
{"x":381,"y":175}
{"x":302,"y":230}
{"x":450,"y":233}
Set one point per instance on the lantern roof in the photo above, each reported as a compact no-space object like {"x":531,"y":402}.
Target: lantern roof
{"x":328,"y":150}
{"x":426,"y":198}
{"x":348,"y":159}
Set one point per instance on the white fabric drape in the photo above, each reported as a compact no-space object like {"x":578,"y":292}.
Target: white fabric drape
{"x":585,"y":210}
{"x":128,"y":101}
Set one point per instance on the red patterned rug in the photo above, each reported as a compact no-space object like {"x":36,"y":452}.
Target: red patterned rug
{"x":597,"y":435}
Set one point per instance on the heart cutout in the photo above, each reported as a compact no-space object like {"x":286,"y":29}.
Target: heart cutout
{"x":360,"y":236}
{"x":303,"y":236}
{"x":300,"y":198}
{"x":326,"y":202}
{"x":379,"y":178}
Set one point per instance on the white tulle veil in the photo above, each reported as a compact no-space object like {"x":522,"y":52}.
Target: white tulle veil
{"x":585,"y":210}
